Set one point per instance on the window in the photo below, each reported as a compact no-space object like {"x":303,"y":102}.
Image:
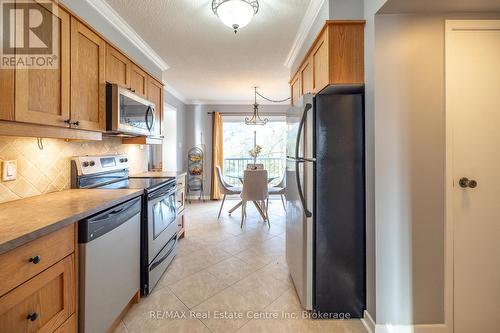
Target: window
{"x":240,"y":138}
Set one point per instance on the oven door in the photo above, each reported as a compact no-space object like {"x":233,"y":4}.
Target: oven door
{"x":130,"y":113}
{"x":162,"y":220}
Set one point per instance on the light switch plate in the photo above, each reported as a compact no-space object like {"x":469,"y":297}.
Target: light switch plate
{"x":9,"y":170}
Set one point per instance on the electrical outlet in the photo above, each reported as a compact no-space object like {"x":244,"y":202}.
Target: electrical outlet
{"x":9,"y":170}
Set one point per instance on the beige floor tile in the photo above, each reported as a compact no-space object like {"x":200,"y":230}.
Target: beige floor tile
{"x":288,"y":302}
{"x":196,"y":288}
{"x":274,"y":326}
{"x":231,"y":270}
{"x":185,"y":266}
{"x":255,"y":257}
{"x":228,"y":311}
{"x":120,"y":328}
{"x":278,"y":271}
{"x":222,"y":267}
{"x":261,"y":288}
{"x":183,"y":326}
{"x":150,"y":312}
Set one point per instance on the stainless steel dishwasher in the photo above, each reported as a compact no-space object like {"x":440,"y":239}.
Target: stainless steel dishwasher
{"x":109,"y":252}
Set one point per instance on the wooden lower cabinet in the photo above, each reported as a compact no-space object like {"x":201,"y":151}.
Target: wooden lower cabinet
{"x":43,"y":303}
{"x":26,"y":261}
{"x":69,"y":326}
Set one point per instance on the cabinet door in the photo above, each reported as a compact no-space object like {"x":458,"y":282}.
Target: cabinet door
{"x":7,"y":94}
{"x":42,"y":95}
{"x":296,"y":88}
{"x":118,"y":67}
{"x":43,"y":303}
{"x":87,"y":77}
{"x":320,"y":63}
{"x":139,"y":81}
{"x":306,"y":75}
{"x":155,"y":95}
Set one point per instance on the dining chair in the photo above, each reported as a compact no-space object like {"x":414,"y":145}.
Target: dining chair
{"x":255,"y":189}
{"x":252,"y":166}
{"x":279,"y":190}
{"x":225,"y":188}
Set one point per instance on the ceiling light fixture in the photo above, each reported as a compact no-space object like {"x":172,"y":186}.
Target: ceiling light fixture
{"x":255,"y":119}
{"x":235,"y":13}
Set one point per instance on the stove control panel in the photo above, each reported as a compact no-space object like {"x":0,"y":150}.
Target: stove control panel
{"x":88,"y":165}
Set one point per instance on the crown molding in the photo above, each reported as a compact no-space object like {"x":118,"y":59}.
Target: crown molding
{"x":110,"y":15}
{"x":304,"y":28}
{"x":175,"y":93}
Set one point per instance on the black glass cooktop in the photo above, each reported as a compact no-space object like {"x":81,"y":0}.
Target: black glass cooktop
{"x":148,"y":184}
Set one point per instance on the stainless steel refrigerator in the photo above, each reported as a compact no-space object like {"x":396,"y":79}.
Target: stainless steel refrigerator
{"x":325,"y":193}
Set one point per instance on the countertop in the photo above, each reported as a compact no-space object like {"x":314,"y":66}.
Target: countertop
{"x":159,"y":174}
{"x":26,"y":219}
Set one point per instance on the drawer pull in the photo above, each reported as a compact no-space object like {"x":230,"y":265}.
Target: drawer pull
{"x":35,"y":260}
{"x":32,"y":316}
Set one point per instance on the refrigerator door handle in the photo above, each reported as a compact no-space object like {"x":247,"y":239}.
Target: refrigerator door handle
{"x":307,"y":212}
{"x":299,"y":160}
{"x":299,"y":132}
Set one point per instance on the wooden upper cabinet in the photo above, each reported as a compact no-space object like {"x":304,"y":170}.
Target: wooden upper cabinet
{"x":347,"y":62}
{"x":155,"y":95}
{"x":320,"y":61}
{"x":139,"y":81}
{"x":296,"y":89}
{"x":306,"y":76}
{"x":88,"y":54}
{"x":118,"y":67}
{"x":43,"y":95}
{"x":336,"y":57}
{"x":7,"y":84}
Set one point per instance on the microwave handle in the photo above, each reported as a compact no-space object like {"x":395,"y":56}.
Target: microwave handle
{"x":150,"y":109}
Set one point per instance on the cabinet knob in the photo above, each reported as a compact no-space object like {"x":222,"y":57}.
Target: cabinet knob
{"x":75,"y":123}
{"x":35,"y":260}
{"x":466,"y":182}
{"x":32,"y":316}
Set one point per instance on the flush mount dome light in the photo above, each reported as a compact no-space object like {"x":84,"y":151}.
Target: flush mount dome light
{"x":235,"y":13}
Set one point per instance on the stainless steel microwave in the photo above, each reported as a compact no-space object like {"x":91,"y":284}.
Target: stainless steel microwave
{"x":128,"y":113}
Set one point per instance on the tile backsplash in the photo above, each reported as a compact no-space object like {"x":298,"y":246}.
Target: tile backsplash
{"x":48,"y":170}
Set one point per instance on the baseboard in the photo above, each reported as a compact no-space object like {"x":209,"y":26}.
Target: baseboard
{"x":368,"y":322}
{"x":388,"y":328}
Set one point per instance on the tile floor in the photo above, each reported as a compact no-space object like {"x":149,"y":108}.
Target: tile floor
{"x":227,"y":279}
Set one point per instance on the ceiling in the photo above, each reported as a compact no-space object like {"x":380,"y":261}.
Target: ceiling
{"x":209,"y":64}
{"x":439,"y":6}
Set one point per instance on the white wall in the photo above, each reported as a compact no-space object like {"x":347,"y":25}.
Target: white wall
{"x":370,"y":9}
{"x":181,"y":128}
{"x":409,"y":132}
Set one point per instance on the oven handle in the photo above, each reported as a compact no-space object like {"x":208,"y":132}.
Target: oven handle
{"x":156,"y":195}
{"x":162,"y":259}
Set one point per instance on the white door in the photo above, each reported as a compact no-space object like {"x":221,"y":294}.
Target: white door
{"x":473,"y":110}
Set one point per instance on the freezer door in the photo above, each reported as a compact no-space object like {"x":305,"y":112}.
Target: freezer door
{"x":299,"y":196}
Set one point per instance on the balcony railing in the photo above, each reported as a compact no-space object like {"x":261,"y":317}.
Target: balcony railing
{"x":234,"y":166}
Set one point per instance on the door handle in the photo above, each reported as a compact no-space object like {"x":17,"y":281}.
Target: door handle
{"x":467,"y":183}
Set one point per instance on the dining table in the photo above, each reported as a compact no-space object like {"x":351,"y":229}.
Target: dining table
{"x":240,"y":177}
